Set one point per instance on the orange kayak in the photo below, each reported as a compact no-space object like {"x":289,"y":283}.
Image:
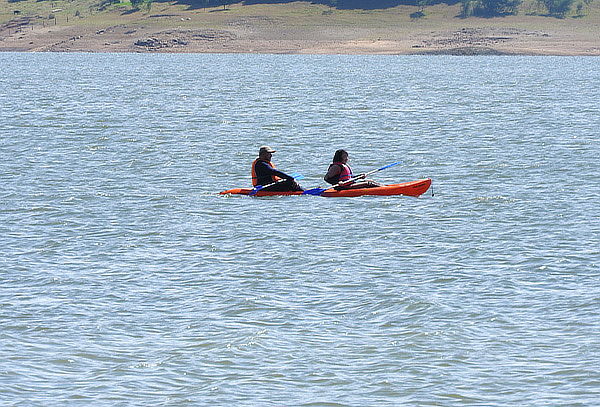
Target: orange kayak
{"x":412,"y":188}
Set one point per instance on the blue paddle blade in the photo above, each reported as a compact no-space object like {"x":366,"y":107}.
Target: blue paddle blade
{"x":388,"y":166}
{"x":314,"y":191}
{"x":255,"y":190}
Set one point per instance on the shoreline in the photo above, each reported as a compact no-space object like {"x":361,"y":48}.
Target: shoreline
{"x":277,"y":29}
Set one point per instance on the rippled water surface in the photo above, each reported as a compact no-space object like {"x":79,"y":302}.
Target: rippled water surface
{"x":127,"y":280}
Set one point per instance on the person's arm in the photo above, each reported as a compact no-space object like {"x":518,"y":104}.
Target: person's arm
{"x":334,"y":171}
{"x":272,"y":171}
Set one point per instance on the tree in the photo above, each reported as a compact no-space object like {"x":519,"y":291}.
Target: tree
{"x":490,"y":8}
{"x":467,"y":8}
{"x":138,"y":4}
{"x":421,"y":13}
{"x":501,"y":7}
{"x":558,"y":8}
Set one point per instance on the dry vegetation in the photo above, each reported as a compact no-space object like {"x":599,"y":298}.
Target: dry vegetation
{"x":299,"y":27}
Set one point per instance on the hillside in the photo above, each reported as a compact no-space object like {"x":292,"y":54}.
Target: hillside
{"x":298,"y":27}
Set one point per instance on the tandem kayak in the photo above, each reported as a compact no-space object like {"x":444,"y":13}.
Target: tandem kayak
{"x":412,"y":188}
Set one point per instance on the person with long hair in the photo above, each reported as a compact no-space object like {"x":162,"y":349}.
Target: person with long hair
{"x":339,"y":172}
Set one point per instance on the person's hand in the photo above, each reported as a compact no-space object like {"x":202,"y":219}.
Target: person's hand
{"x":361,"y":176}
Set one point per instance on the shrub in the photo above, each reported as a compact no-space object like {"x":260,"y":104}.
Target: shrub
{"x":136,"y":4}
{"x":558,"y":8}
{"x":489,"y":8}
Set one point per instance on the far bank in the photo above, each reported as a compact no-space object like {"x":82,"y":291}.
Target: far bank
{"x":296,"y":28}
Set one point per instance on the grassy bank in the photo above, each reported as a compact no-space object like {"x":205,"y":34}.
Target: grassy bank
{"x":300,"y":27}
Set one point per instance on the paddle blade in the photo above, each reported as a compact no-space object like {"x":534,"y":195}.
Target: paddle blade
{"x":255,"y":190}
{"x":314,"y":191}
{"x":388,"y":166}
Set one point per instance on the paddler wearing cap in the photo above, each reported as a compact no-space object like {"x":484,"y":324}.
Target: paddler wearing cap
{"x":264,"y":173}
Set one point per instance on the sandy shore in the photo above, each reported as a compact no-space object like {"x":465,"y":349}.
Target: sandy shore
{"x":235,"y":31}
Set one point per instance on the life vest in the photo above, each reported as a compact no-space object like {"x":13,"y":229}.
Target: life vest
{"x":255,"y":177}
{"x":345,"y":173}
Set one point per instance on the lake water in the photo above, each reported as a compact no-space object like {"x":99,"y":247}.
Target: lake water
{"x":127,"y":280}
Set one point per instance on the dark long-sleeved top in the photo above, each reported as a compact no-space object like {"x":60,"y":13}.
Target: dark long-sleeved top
{"x":264,"y":173}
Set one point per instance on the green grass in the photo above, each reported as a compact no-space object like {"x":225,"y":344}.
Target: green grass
{"x":299,"y":15}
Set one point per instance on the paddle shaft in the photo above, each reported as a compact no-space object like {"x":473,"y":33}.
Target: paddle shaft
{"x":261,"y":187}
{"x":362,"y":176}
{"x":319,"y":191}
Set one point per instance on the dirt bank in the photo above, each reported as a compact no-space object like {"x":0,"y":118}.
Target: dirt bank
{"x":274,"y":29}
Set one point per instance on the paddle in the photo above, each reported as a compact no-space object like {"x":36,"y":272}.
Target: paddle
{"x":319,"y":191}
{"x":259,"y":187}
